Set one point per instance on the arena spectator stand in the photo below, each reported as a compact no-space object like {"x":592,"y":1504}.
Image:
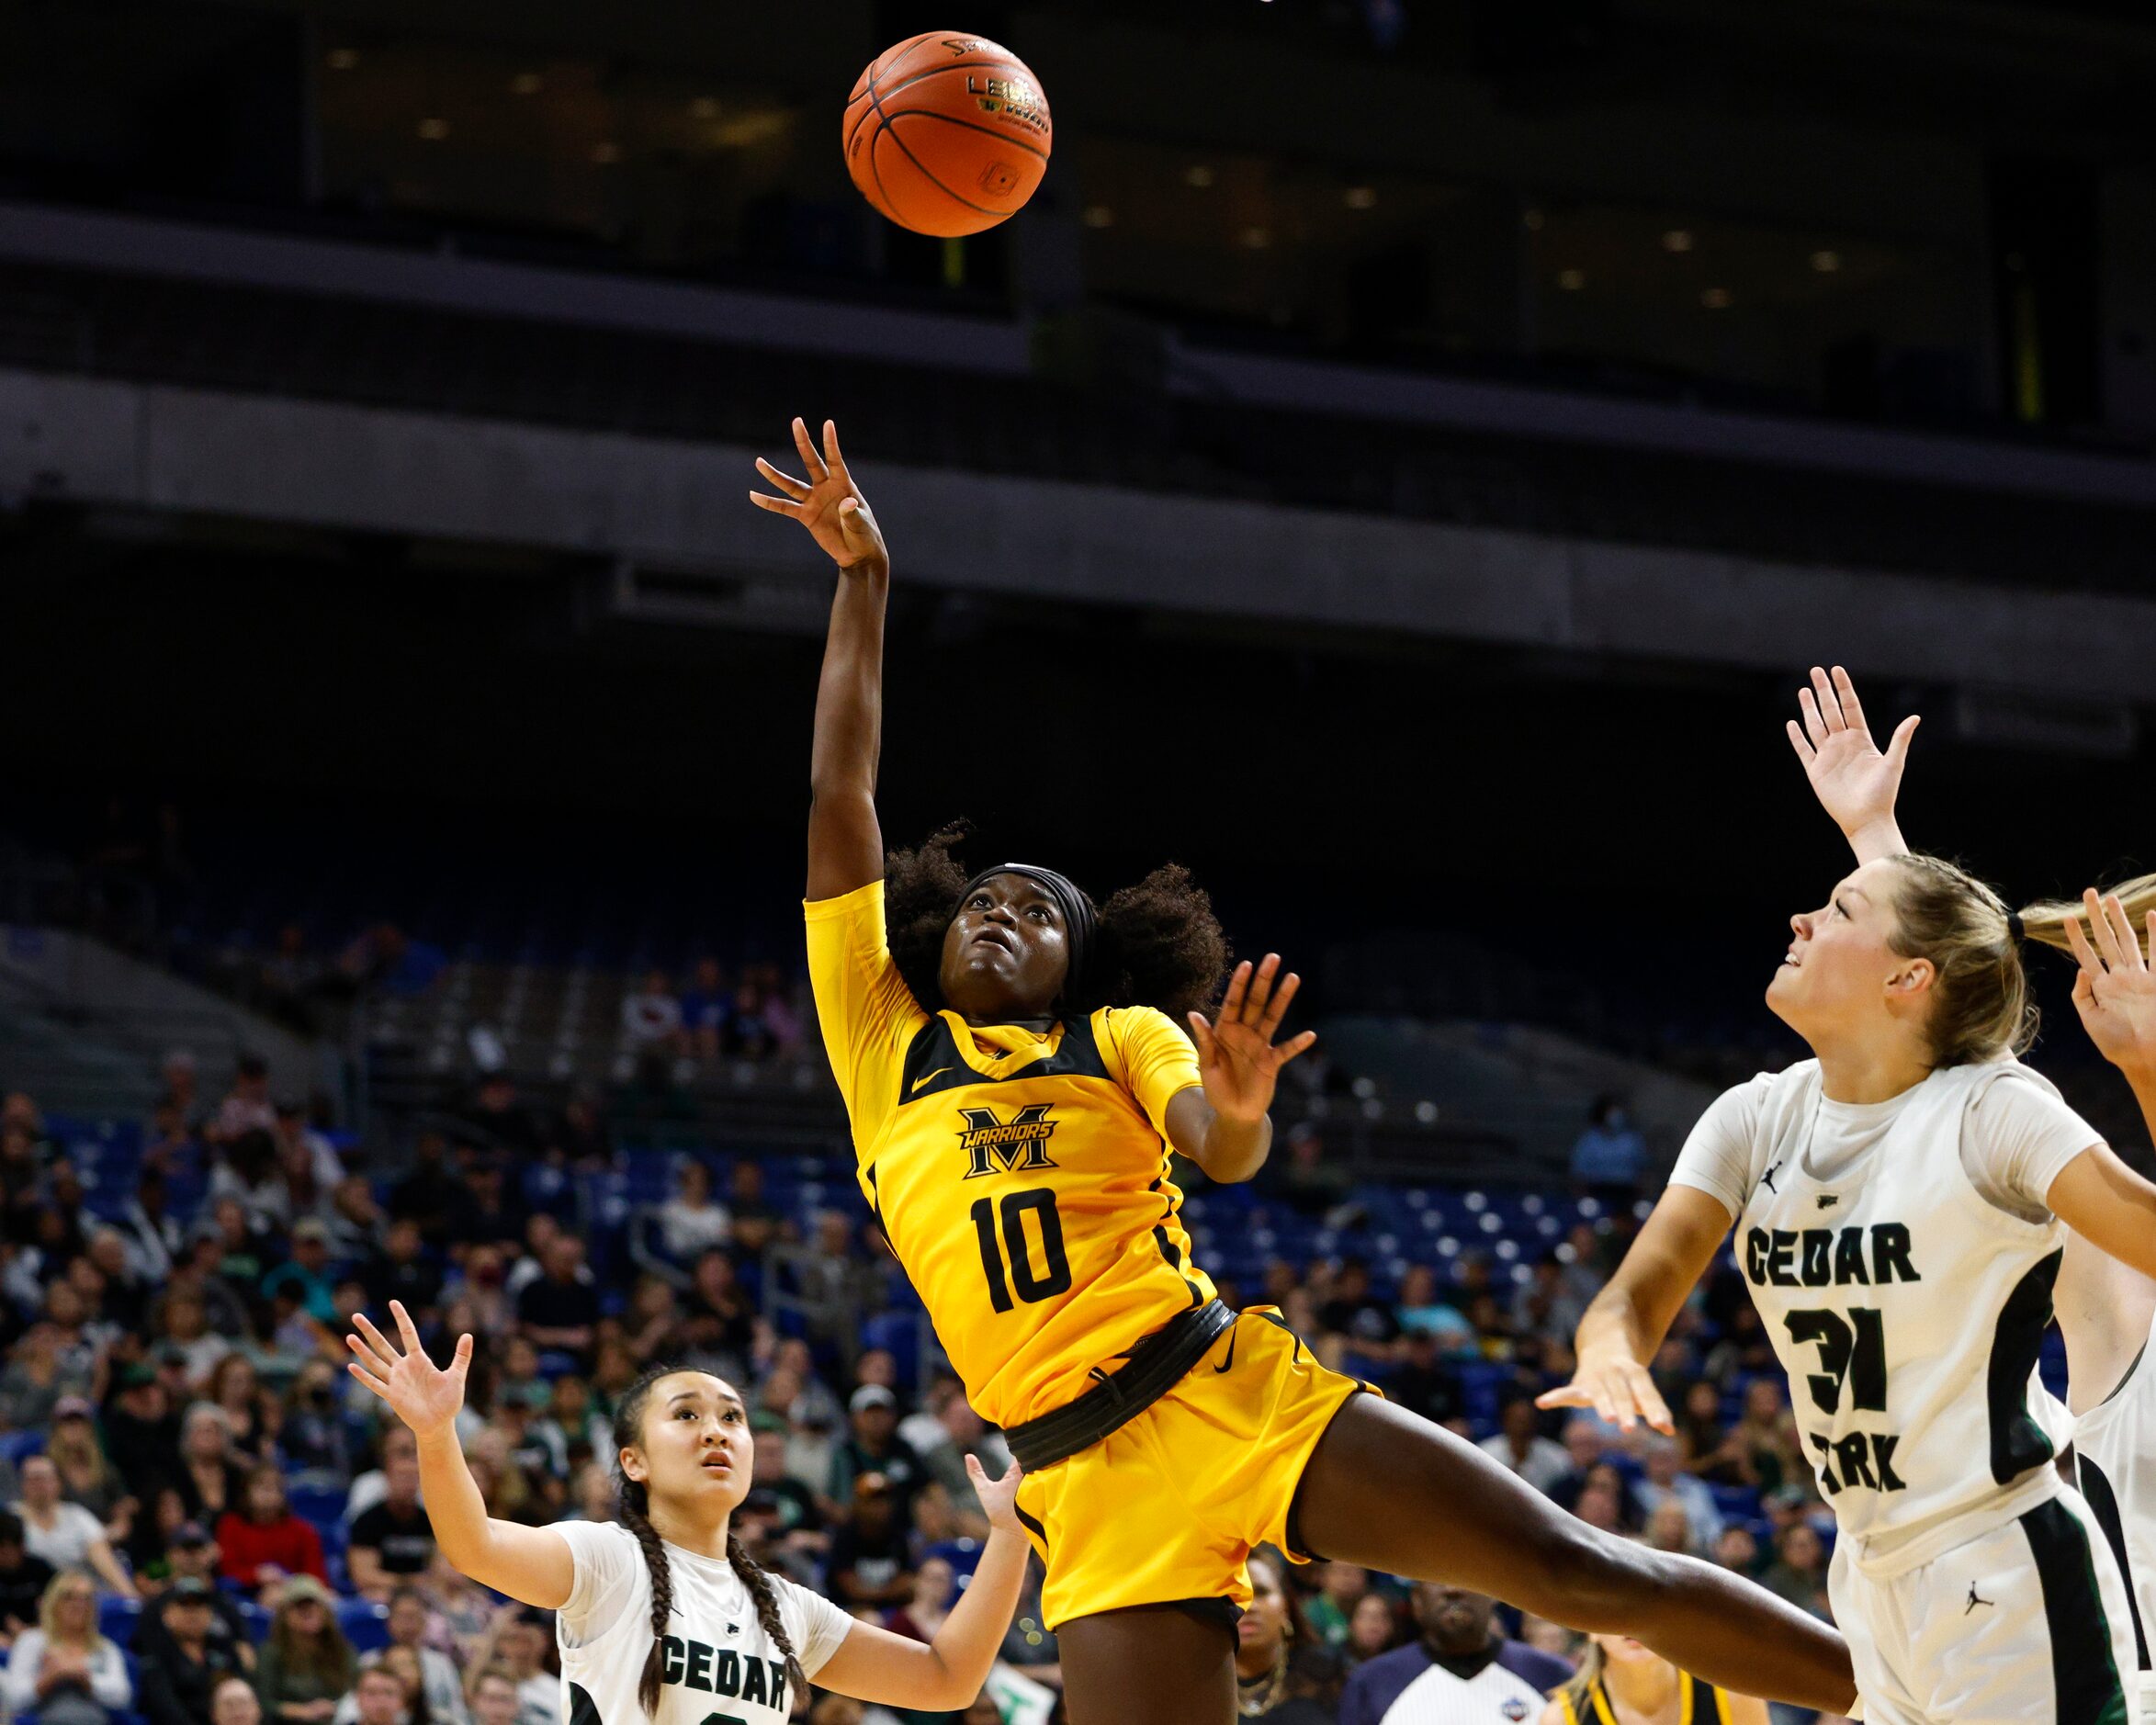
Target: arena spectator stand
{"x":1459,"y":1300}
{"x":185,"y":1269}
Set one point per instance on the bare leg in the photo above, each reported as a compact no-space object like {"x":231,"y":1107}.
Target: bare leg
{"x":1394,"y":1493}
{"x":1147,"y":1665}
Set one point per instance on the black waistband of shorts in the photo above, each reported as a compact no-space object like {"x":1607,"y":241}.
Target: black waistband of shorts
{"x":1155,"y":1366}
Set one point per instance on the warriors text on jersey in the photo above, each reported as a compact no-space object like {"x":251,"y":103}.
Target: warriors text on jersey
{"x":1022,"y":1178}
{"x":1901,"y":1261}
{"x":718,"y":1664}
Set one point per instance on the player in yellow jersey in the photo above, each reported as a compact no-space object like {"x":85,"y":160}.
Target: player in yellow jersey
{"x":1017,"y":1077}
{"x":1621,"y":1681}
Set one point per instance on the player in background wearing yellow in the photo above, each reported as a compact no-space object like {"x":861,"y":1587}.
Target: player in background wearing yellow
{"x":1016,"y":1086}
{"x":1623,"y":1682}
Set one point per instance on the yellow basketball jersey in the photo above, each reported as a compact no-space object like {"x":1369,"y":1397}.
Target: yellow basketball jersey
{"x":1700,"y":1703}
{"x":1021,"y":1177}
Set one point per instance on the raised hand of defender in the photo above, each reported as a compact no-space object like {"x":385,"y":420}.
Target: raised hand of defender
{"x":422,"y":1394}
{"x":2116,"y":991}
{"x":1855,"y":782}
{"x":1238,"y":1060}
{"x":998,"y":1496}
{"x":827,"y":503}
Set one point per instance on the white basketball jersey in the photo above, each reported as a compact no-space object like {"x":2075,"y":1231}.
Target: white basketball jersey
{"x":1493,"y":1696}
{"x":2115,"y":1454}
{"x":719,"y":1666}
{"x":1907,"y":1309}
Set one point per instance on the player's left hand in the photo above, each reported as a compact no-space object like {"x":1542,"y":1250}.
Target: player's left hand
{"x":999,"y":1497}
{"x":2115,"y":991}
{"x":1238,"y":1063}
{"x":1854,"y":780}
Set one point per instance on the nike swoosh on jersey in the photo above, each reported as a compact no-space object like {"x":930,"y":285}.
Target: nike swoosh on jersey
{"x":1231,"y":1353}
{"x":932,"y":1076}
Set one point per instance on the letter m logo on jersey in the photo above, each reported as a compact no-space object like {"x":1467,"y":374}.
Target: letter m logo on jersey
{"x":1019,"y":1144}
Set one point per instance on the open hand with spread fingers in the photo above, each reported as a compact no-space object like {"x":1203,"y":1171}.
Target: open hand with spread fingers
{"x":1855,"y":782}
{"x":422,"y":1394}
{"x":1238,"y":1062}
{"x":2115,"y":991}
{"x":827,"y":503}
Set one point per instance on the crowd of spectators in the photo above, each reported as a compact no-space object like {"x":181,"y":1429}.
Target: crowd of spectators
{"x":208,"y":1523}
{"x":756,"y":1016}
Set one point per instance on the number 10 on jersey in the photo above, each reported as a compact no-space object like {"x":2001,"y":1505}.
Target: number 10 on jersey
{"x":1014,"y":1240}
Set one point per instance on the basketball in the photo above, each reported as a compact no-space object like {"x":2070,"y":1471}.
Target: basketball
{"x":947,"y":134}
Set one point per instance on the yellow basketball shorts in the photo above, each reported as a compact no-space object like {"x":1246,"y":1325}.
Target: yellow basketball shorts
{"x":1167,"y":1507}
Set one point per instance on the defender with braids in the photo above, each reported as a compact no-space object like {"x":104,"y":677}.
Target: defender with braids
{"x":1903,"y":1202}
{"x":1017,"y":1071}
{"x":665,"y":1618}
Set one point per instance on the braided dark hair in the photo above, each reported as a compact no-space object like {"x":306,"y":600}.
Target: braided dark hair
{"x":1158,"y":943}
{"x":635,"y":1515}
{"x":766,"y":1598}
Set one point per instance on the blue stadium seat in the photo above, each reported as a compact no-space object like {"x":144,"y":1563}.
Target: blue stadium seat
{"x":256,"y":1619}
{"x":365,"y":1623}
{"x":898,"y":1332}
{"x":547,"y":1189}
{"x":16,"y":1446}
{"x":322,"y":1506}
{"x":1737,"y":1503}
{"x":1480,"y":1384}
{"x":117,"y":1617}
{"x":1627,"y":1465}
{"x":963,"y":1555}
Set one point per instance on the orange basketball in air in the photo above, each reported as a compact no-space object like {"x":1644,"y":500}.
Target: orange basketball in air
{"x":947,"y":134}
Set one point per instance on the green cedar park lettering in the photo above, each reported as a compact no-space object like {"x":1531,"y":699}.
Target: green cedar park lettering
{"x":721,"y":1671}
{"x":1019,"y":1144}
{"x":1829,"y":1258}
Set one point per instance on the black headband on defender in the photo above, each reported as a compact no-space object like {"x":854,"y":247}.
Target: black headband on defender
{"x":1076,"y":908}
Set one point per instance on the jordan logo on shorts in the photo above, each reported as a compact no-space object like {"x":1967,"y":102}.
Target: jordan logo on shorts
{"x":1973,"y":1600}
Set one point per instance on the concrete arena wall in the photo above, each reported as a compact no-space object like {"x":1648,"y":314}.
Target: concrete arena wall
{"x":682,"y":507}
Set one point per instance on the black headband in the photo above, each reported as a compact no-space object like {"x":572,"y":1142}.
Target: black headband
{"x":1076,"y":908}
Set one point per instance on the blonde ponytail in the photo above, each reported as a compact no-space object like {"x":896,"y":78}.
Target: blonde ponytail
{"x":1980,"y":1005}
{"x":2047,"y":921}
